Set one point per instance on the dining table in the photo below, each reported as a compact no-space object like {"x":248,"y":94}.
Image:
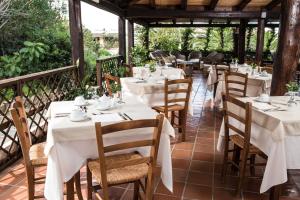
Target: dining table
{"x":258,"y":83}
{"x":150,"y":89}
{"x":275,"y":130}
{"x":69,"y":144}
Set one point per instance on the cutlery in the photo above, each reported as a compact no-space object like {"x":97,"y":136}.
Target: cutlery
{"x":127,"y":116}
{"x":122,"y":116}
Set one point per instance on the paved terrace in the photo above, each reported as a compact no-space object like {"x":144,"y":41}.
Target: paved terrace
{"x":196,"y":164}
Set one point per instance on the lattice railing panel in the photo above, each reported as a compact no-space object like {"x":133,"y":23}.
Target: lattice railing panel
{"x":107,"y":65}
{"x":38,"y":91}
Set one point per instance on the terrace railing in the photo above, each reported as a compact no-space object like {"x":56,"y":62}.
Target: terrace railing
{"x":38,"y":91}
{"x":107,"y":65}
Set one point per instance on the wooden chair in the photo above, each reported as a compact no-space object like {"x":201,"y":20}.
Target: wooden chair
{"x":175,"y":103}
{"x":220,"y":71}
{"x":267,"y":69}
{"x":109,"y":80}
{"x":126,"y":167}
{"x":236,"y":84}
{"x":33,"y":155}
{"x":241,"y":139}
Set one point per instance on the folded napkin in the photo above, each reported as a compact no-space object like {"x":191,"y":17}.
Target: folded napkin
{"x":114,"y":117}
{"x":263,"y":106}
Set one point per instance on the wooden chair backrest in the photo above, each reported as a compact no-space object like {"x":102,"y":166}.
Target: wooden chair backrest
{"x":220,"y":71}
{"x":267,"y":69}
{"x":19,"y":117}
{"x":109,"y":79}
{"x":123,"y":126}
{"x":236,"y":84}
{"x":129,"y":70}
{"x":180,"y":89}
{"x":236,"y":113}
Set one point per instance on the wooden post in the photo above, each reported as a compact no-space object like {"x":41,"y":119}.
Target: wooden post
{"x":130,"y":39}
{"x":76,"y":35}
{"x":241,"y":45}
{"x":146,"y":42}
{"x":122,"y":37}
{"x":260,"y":41}
{"x":288,"y":51}
{"x":235,"y":36}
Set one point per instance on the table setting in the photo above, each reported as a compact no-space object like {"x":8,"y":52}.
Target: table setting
{"x":71,"y":138}
{"x":150,"y":88}
{"x":258,"y":83}
{"x":275,"y":130}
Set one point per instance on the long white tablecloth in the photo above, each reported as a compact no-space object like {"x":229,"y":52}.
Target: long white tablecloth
{"x":257,"y":84}
{"x":151,"y":91}
{"x":277,"y":134}
{"x":70,"y":144}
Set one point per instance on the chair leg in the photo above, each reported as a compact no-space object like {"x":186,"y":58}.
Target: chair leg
{"x":182,"y":124}
{"x":89,"y":183}
{"x":78,"y":185}
{"x":225,"y":160}
{"x":236,"y":157}
{"x":149,"y":185}
{"x":172,"y":118}
{"x":242,"y":171}
{"x":136,"y":190}
{"x":70,"y":189}
{"x":252,"y":163}
{"x":31,"y":185}
{"x":215,"y":89}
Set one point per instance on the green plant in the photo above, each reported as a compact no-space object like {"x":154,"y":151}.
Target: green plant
{"x":152,"y":65}
{"x":82,"y":89}
{"x":292,"y":86}
{"x":115,"y":88}
{"x":139,"y":55}
{"x":253,"y":65}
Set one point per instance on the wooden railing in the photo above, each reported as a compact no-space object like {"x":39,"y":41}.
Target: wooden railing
{"x":38,"y":91}
{"x":108,"y":65}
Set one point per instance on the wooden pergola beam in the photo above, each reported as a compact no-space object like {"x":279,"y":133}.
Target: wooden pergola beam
{"x":142,"y":13}
{"x":206,"y":25}
{"x":183,"y":4}
{"x":107,"y":6}
{"x":242,"y":4}
{"x":212,"y":5}
{"x":152,"y":4}
{"x":272,"y":4}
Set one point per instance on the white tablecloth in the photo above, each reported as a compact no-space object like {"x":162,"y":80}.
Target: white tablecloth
{"x":277,"y":134}
{"x":151,"y":91}
{"x":168,"y":72}
{"x":256,"y":84}
{"x":70,"y":144}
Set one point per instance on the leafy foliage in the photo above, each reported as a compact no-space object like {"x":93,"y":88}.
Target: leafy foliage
{"x":139,"y":55}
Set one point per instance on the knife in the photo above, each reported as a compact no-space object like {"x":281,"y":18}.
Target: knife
{"x":127,"y":116}
{"x":122,"y":116}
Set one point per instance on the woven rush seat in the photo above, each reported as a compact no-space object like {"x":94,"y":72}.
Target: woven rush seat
{"x":120,"y":175}
{"x":36,"y":154}
{"x":239,"y":141}
{"x":175,"y":107}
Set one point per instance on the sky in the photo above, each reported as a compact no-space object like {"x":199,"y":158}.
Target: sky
{"x":96,"y":19}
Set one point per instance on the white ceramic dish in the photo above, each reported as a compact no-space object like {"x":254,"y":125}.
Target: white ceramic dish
{"x":85,"y":103}
{"x":263,"y":100}
{"x":79,"y":118}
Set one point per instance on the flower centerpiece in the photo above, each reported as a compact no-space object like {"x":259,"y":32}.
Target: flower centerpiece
{"x":253,"y":66}
{"x":293,"y":89}
{"x":152,"y":66}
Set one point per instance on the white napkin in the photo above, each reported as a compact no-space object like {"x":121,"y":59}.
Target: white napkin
{"x":114,"y":117}
{"x":263,"y":106}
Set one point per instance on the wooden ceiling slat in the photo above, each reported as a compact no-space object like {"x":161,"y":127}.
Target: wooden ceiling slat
{"x":172,"y":13}
{"x":242,"y":4}
{"x":183,"y":4}
{"x":212,"y":5}
{"x":272,"y":4}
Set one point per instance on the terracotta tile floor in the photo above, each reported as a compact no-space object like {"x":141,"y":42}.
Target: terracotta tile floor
{"x":196,"y":164}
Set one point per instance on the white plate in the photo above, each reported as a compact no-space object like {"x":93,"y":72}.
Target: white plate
{"x":82,"y":104}
{"x":258,"y":99}
{"x":79,"y":119}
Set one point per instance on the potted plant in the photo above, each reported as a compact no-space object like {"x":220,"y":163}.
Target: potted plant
{"x":116,"y":90}
{"x":253,"y":66}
